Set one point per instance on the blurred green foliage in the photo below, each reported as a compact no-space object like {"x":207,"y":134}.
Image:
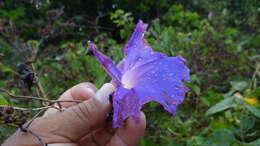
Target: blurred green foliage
{"x":220,"y":40}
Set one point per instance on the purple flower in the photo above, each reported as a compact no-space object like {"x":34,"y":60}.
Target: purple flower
{"x":143,"y":76}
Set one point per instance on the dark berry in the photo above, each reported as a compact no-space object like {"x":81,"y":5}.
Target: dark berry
{"x":1,"y":110}
{"x":9,"y":119}
{"x":22,"y":68}
{"x":1,"y":114}
{"x":26,"y":76}
{"x":21,"y":121}
{"x":9,"y":110}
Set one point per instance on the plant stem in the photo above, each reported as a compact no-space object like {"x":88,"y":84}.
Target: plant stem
{"x":37,"y":98}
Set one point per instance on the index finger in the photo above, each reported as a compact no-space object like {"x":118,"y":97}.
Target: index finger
{"x":82,"y":91}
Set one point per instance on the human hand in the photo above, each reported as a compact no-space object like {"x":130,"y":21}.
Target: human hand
{"x":81,"y":124}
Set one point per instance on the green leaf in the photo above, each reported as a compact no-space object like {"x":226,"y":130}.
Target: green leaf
{"x":223,"y":137}
{"x":196,"y":141}
{"x":221,"y":106}
{"x":4,"y":68}
{"x":256,"y":142}
{"x":255,"y":93}
{"x":196,"y":89}
{"x":147,"y":142}
{"x":247,"y":123}
{"x":238,"y":85}
{"x":3,"y":101}
{"x":253,"y":110}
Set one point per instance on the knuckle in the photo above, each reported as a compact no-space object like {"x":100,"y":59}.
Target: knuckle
{"x":88,"y":110}
{"x":79,"y":113}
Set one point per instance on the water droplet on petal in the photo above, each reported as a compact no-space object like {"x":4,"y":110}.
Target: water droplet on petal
{"x":140,"y":59}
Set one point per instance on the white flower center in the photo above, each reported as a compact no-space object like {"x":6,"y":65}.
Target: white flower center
{"x":128,"y":80}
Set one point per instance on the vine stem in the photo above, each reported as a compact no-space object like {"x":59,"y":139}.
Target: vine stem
{"x":39,"y":85}
{"x":30,"y":109}
{"x":37,"y":98}
{"x":38,"y":137}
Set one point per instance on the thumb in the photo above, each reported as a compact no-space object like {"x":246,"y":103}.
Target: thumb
{"x":76,"y":121}
{"x":85,"y":117}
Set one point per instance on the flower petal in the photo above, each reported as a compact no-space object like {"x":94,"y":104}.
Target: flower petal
{"x":136,"y":38}
{"x":125,"y":104}
{"x":161,"y":80}
{"x":107,"y":63}
{"x":137,"y":51}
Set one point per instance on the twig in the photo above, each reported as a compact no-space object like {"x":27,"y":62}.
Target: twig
{"x":21,"y":96}
{"x":27,"y":125}
{"x":30,"y":109}
{"x":38,"y":83}
{"x":25,"y":128}
{"x":38,"y":137}
{"x":37,"y":98}
{"x":38,"y":92}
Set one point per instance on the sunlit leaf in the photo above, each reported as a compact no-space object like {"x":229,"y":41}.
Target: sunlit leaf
{"x":196,"y":141}
{"x":238,"y":85}
{"x":221,"y":106}
{"x":3,"y":101}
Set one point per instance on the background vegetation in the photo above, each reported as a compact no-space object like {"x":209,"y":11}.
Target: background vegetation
{"x":219,"y":38}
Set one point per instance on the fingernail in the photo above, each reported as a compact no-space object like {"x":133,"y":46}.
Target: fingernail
{"x":103,"y":93}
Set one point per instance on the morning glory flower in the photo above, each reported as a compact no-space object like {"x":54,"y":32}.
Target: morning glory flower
{"x":143,"y":76}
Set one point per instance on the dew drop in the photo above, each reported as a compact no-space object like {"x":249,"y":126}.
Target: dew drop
{"x":140,"y":59}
